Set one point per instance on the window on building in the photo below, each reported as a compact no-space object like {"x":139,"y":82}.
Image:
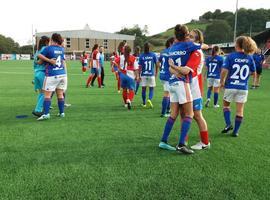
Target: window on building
{"x":87,"y":43}
{"x":68,"y":42}
{"x":105,"y":44}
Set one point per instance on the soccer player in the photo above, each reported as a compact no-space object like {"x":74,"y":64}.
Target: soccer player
{"x":234,"y":78}
{"x":101,"y":62}
{"x":95,"y":66}
{"x":137,"y":55}
{"x":258,"y":59}
{"x":148,"y":65}
{"x":164,"y":76}
{"x":196,"y":62}
{"x":115,"y":70}
{"x":39,"y":69}
{"x":180,"y":93}
{"x":56,"y":77}
{"x":84,"y":61}
{"x":128,"y":72}
{"x":213,"y":64}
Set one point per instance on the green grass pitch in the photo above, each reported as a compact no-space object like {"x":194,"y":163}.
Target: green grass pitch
{"x":103,"y":151}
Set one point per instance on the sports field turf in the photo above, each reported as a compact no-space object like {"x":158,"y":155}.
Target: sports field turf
{"x":102,"y":151}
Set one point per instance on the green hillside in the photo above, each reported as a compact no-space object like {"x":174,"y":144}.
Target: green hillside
{"x":158,"y":40}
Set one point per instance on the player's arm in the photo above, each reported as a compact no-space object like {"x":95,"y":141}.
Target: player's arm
{"x":42,"y":57}
{"x":157,"y":68}
{"x":223,"y":76}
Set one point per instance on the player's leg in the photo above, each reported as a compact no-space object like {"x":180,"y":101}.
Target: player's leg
{"x":216,"y":92}
{"x":99,"y":77}
{"x":227,"y":116}
{"x":144,"y":96}
{"x":151,"y":84}
{"x":185,"y":127}
{"x":61,"y":102}
{"x":102,"y":76}
{"x":238,"y":118}
{"x":137,"y":87}
{"x":39,"y":79}
{"x":165,"y":103}
{"x":204,"y":143}
{"x":209,"y":91}
{"x":168,"y":127}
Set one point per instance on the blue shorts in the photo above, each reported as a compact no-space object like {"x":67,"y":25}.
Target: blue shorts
{"x":127,"y":82}
{"x":84,"y":65}
{"x":96,"y":71}
{"x":115,"y":68}
{"x":39,"y":79}
{"x":197,"y":104}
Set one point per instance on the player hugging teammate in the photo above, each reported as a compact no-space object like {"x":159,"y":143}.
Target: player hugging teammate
{"x":53,"y":57}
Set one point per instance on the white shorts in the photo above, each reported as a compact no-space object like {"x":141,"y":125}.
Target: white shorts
{"x":180,"y":93}
{"x":51,"y":83}
{"x":148,"y":81}
{"x":212,"y":82}
{"x":166,"y":86}
{"x":234,"y":95}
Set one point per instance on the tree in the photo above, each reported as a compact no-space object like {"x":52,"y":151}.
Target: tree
{"x":140,"y":34}
{"x":218,"y":32}
{"x":27,"y":49}
{"x":8,"y":45}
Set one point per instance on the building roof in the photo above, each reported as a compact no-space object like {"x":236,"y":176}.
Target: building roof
{"x":262,"y":37}
{"x":88,"y":33}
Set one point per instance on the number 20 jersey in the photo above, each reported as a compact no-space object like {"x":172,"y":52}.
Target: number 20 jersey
{"x":57,"y":53}
{"x":239,"y":66}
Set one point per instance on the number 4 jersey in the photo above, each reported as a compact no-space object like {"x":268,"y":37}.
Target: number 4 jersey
{"x":239,"y":66}
{"x":57,"y":53}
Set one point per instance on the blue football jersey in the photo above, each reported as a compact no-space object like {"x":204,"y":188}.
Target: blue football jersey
{"x":164,"y":73}
{"x":214,"y":65}
{"x":180,"y":53}
{"x":239,"y":66}
{"x":258,"y":59}
{"x":147,"y":63}
{"x":57,"y":53}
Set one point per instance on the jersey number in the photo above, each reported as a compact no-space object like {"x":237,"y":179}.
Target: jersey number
{"x":58,"y":61}
{"x":240,"y":72}
{"x":148,"y":65}
{"x":178,"y":62}
{"x":163,"y":64}
{"x":212,"y":67}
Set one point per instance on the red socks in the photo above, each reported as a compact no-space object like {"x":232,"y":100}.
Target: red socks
{"x":204,"y":137}
{"x":131,"y":95}
{"x":89,"y":80}
{"x":99,"y":81}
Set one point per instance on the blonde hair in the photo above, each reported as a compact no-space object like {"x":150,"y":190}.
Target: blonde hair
{"x":247,"y":44}
{"x":198,"y":36}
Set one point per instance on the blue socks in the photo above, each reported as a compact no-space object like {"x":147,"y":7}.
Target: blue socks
{"x":165,"y":103}
{"x":144,"y":95}
{"x":238,"y":121}
{"x":184,"y":130}
{"x":151,"y":93}
{"x":227,"y":116}
{"x":167,"y":129}
{"x":47,"y":105}
{"x":61,"y":105}
{"x":40,"y":100}
{"x":209,"y":93}
{"x":215,"y":98}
